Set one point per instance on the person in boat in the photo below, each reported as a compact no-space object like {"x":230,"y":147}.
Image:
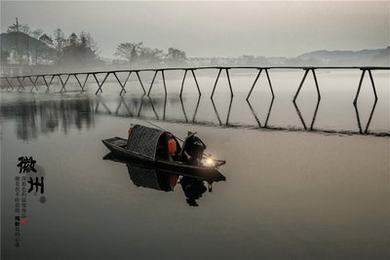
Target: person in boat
{"x":192,"y":150}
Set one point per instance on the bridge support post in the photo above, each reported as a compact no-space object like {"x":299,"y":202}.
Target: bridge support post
{"x":63,"y":83}
{"x":48,"y":83}
{"x":33,"y":82}
{"x":270,"y":84}
{"x":122,"y":84}
{"x":100,"y":85}
{"x":360,"y":85}
{"x":164,"y":83}
{"x":20,"y":83}
{"x":301,"y":84}
{"x":195,"y":79}
{"x":196,"y":82}
{"x":151,"y":84}
{"x":140,"y":82}
{"x":373,"y":84}
{"x":182,"y":83}
{"x":316,"y":82}
{"x":82,"y":86}
{"x":303,"y":80}
{"x":216,"y":82}
{"x":9,"y":83}
{"x":163,"y":79}
{"x":253,"y":85}
{"x":257,"y":78}
{"x":230,"y":84}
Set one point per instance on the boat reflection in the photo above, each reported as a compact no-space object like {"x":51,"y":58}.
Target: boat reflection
{"x":193,"y":189}
{"x":151,"y":177}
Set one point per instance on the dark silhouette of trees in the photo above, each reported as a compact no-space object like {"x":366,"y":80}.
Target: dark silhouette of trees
{"x":175,"y":57}
{"x":17,"y":27}
{"x":129,"y":51}
{"x":137,"y":54}
{"x":87,"y":40}
{"x":73,"y":40}
{"x":46,"y":39}
{"x":59,"y":40}
{"x":150,"y":56}
{"x":26,"y":46}
{"x":77,"y":51}
{"x":37,"y":33}
{"x":23,"y":46}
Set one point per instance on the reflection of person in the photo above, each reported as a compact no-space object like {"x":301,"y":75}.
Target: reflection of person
{"x":151,"y":178}
{"x":193,"y":189}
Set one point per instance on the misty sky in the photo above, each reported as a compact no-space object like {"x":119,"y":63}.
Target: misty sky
{"x":214,"y":28}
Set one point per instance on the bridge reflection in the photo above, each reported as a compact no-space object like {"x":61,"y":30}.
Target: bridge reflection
{"x":313,"y":118}
{"x":256,"y":116}
{"x":358,"y":119}
{"x":35,"y":116}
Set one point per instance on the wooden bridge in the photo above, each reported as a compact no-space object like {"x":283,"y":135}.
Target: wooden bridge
{"x":8,"y":82}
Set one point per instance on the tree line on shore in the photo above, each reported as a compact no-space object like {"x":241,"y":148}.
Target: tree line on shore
{"x":21,"y":45}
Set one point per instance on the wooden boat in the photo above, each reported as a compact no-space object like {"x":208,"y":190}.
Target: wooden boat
{"x":141,"y":147}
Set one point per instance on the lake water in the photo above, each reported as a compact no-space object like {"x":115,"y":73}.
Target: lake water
{"x":319,"y":193}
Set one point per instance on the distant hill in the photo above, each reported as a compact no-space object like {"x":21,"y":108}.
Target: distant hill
{"x":362,"y":57}
{"x":373,"y":57}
